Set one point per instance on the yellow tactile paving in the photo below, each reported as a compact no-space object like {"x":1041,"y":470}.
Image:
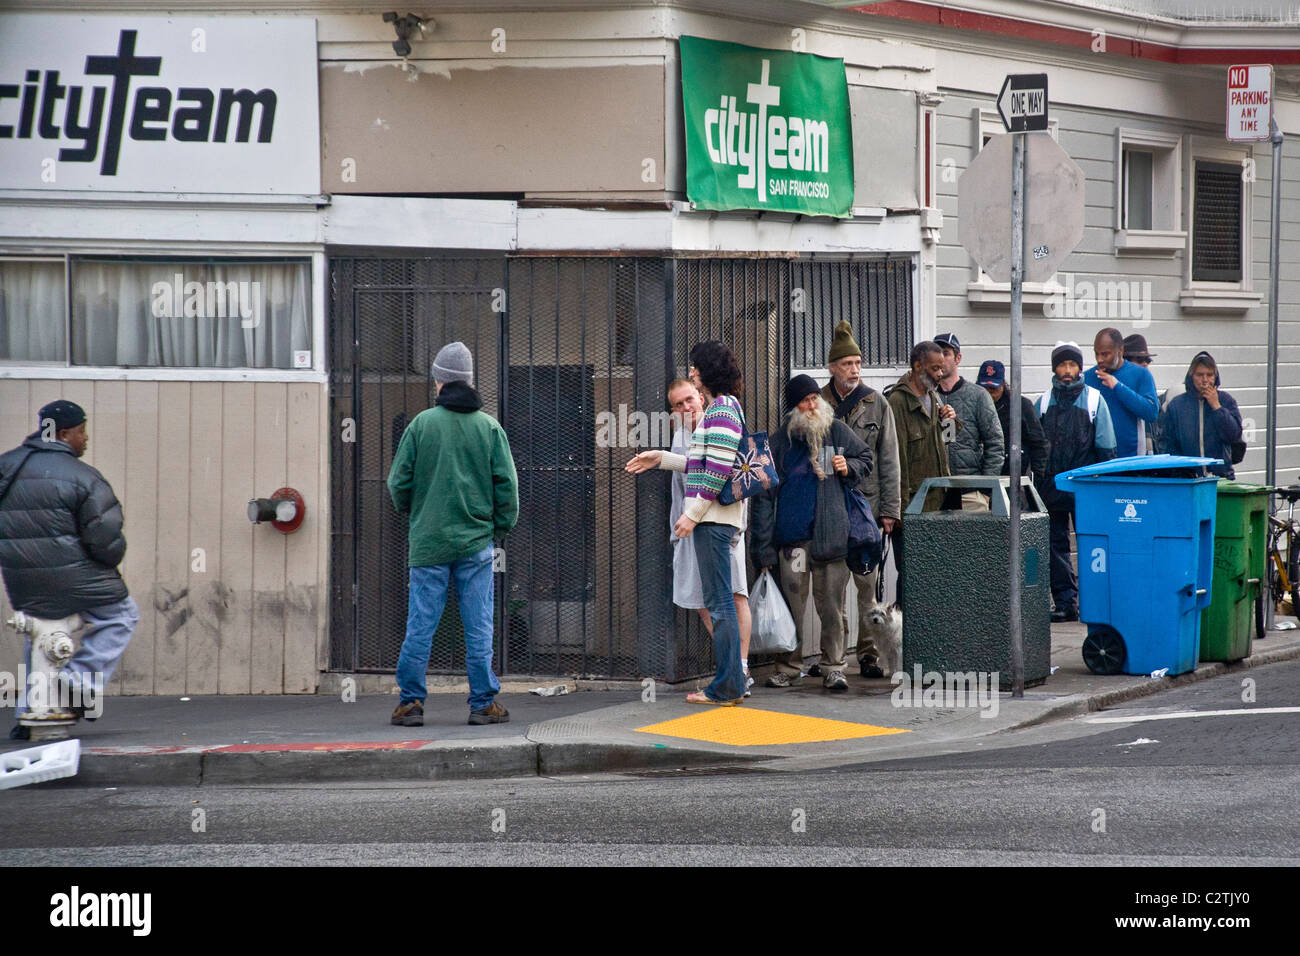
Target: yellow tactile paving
{"x":752,"y":727}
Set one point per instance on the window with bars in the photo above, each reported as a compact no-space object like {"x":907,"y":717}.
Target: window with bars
{"x":875,"y":296}
{"x":1216,"y":223}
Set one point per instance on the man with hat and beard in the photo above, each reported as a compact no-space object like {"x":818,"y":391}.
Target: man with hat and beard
{"x":1076,"y":420}
{"x":865,"y":411}
{"x":60,"y":544}
{"x":802,"y":525}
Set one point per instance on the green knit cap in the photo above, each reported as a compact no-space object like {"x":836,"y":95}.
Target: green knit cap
{"x":843,"y":345}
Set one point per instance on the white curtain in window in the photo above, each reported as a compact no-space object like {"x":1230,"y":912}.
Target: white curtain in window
{"x":190,"y":314}
{"x":33,"y":313}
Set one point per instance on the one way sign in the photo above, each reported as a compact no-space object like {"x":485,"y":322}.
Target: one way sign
{"x":1022,"y":103}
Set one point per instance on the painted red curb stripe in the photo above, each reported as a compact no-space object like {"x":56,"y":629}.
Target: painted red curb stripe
{"x":337,"y":745}
{"x":341,"y":745}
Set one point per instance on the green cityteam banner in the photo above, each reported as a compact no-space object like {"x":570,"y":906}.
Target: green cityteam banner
{"x":766,"y":129}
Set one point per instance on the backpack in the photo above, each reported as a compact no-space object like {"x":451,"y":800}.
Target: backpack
{"x":1094,"y":402}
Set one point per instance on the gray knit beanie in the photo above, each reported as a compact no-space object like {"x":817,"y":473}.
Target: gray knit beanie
{"x":453,"y":363}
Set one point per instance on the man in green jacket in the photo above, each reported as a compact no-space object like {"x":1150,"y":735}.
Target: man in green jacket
{"x":454,"y":475}
{"x":921,"y":419}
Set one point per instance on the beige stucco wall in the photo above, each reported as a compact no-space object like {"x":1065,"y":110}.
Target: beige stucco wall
{"x":184,"y":458}
{"x":541,"y":131}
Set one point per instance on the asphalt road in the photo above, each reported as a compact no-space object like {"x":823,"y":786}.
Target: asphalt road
{"x":1186,"y":791}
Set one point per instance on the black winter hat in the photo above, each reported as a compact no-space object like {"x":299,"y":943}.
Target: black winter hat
{"x":799,"y":388}
{"x":63,"y":413}
{"x":1066,"y":350}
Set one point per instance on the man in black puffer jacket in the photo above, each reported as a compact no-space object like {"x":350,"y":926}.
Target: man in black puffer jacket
{"x":60,"y":545}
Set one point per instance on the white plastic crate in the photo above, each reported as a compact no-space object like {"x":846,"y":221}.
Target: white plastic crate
{"x":38,"y":764}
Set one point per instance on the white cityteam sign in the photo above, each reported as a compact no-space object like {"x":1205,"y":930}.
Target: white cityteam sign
{"x":1250,"y":102}
{"x":152,"y":104}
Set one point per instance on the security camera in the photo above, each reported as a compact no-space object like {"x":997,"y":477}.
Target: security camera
{"x":404,"y":26}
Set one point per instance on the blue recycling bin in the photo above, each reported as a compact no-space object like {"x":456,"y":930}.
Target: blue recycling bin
{"x":1144,"y":527}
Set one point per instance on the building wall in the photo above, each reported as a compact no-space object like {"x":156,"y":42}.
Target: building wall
{"x":247,"y":614}
{"x":494,"y":131}
{"x":1237,"y":340}
{"x":471,"y":113}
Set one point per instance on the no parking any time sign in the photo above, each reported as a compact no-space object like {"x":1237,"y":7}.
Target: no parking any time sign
{"x":1250,"y":102}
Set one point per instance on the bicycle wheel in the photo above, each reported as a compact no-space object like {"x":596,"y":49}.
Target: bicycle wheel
{"x":1271,"y":586}
{"x":1293,"y":572}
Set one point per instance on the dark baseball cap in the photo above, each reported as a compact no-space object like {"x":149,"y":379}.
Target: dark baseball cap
{"x":992,"y":373}
{"x":947,"y":340}
{"x":63,"y":413}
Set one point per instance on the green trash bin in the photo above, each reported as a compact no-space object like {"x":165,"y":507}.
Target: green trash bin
{"x":1227,"y":625}
{"x":956,"y":593}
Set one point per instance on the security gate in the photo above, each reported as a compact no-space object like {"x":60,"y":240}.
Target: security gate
{"x":573,"y":357}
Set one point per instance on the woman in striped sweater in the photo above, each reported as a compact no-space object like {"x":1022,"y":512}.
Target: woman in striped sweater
{"x":708,"y":523}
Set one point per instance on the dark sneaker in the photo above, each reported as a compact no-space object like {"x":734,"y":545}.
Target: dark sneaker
{"x":781,"y":680}
{"x":19,"y":732}
{"x":494,"y":713}
{"x":836,"y":681}
{"x":815,"y":671}
{"x":1065,"y":614}
{"x":78,"y":710}
{"x":410,"y":714}
{"x":871,"y":671}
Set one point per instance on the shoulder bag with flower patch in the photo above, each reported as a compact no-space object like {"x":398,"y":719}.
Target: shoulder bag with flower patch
{"x":754,"y":471}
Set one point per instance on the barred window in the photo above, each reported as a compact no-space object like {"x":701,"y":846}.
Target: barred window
{"x":1216,"y":223}
{"x":876,"y":298}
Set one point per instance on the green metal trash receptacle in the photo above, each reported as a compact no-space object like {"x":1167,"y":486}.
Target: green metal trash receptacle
{"x":1240,"y":524}
{"x":956,"y":596}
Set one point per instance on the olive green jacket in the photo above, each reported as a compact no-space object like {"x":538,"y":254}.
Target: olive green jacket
{"x":922,"y":452}
{"x":872,"y":420}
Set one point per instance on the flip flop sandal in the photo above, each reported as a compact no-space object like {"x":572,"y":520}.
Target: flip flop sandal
{"x":699,"y":697}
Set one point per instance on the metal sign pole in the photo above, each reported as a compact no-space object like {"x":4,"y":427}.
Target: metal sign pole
{"x":1270,"y":448}
{"x":1017,"y":281}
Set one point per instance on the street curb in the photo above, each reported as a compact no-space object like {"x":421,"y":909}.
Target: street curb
{"x":331,"y":684}
{"x":434,"y":762}
{"x":292,"y":765}
{"x":1078,"y":705}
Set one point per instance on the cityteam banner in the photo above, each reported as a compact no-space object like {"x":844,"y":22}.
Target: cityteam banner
{"x":766,"y":129}
{"x":152,"y":104}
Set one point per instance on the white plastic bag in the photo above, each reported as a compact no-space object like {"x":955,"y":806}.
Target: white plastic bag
{"x":773,"y":627}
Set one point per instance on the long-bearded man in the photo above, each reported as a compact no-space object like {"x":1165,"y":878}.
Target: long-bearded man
{"x":802,"y":526}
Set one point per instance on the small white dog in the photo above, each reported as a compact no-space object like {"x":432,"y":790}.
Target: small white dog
{"x":884,"y":625}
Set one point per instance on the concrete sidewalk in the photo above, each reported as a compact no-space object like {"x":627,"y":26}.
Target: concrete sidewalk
{"x":286,"y":740}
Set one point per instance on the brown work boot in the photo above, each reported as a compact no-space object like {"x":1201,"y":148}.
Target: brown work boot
{"x":410,"y":714}
{"x":494,"y":713}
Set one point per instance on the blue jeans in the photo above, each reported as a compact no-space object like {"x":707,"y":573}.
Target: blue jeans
{"x":109,"y":628}
{"x":428,"y":598}
{"x":713,"y":555}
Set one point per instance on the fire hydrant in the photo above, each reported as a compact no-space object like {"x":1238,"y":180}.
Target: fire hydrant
{"x":48,"y":713}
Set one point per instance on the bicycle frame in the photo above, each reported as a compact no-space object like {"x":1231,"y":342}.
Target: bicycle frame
{"x":1279,"y":528}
